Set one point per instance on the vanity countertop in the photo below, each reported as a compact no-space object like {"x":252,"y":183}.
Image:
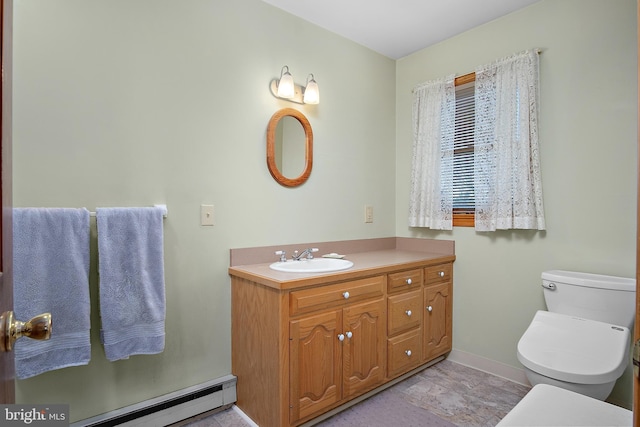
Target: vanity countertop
{"x":364,"y":264}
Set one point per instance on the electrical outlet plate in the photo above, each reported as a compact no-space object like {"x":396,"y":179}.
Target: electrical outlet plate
{"x":207,"y":215}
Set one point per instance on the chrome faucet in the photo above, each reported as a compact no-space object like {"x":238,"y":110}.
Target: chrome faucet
{"x":307,"y":252}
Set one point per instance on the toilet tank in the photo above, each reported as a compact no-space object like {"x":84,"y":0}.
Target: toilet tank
{"x":607,"y":299}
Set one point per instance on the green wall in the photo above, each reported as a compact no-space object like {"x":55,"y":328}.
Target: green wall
{"x":131,"y":103}
{"x":588,"y":146}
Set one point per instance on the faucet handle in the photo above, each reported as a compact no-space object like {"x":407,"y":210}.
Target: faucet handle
{"x":310,"y":250}
{"x":283,"y":255}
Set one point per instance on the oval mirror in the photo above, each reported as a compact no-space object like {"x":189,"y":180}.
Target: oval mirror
{"x":289,"y":147}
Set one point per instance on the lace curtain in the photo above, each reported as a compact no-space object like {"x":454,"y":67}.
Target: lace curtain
{"x":507,"y":182}
{"x":431,"y":196}
{"x":508,"y":187}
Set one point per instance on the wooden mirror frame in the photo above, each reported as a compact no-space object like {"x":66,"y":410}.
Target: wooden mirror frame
{"x":271,"y":135}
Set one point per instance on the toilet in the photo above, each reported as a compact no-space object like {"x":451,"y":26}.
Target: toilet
{"x":582,"y":342}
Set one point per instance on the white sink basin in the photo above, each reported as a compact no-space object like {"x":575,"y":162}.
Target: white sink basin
{"x":316,"y":265}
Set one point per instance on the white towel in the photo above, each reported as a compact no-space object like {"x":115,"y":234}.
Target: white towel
{"x":132,"y":291}
{"x":51,"y":274}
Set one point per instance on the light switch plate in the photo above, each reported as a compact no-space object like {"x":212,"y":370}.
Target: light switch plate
{"x":207,"y":215}
{"x":368,"y":214}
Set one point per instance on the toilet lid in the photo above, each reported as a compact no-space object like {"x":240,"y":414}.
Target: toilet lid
{"x":546,"y":405}
{"x":575,"y":350}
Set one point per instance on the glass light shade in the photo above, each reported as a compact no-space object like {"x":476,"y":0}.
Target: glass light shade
{"x":285,"y":86}
{"x":311,"y":93}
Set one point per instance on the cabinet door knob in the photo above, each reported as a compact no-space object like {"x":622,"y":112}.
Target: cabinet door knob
{"x":441,"y":273}
{"x":408,"y":313}
{"x":429,"y":309}
{"x":349,"y":334}
{"x":409,"y":281}
{"x":345,"y":295}
{"x":408,"y":353}
{"x":341,"y":337}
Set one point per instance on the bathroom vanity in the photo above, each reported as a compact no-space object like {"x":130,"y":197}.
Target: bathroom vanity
{"x":304,"y":344}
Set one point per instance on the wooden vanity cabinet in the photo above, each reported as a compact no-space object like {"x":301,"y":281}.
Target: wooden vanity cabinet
{"x":302,"y":349}
{"x":438,"y":303}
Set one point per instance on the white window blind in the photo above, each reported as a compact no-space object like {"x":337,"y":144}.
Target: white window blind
{"x":463,"y":158}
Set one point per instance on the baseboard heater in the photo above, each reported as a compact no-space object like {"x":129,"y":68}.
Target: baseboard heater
{"x":170,"y":408}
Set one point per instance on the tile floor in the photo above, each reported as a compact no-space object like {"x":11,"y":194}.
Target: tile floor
{"x":445,"y":394}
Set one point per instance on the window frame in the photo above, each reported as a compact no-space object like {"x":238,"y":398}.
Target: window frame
{"x":464,"y":218}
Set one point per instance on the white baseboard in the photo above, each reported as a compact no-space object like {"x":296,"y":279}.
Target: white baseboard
{"x":489,"y":366}
{"x":245,"y":417}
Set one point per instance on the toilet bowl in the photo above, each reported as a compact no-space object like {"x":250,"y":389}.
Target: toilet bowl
{"x":581,"y":355}
{"x":582,"y":342}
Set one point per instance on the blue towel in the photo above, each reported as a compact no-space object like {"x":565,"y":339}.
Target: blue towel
{"x":51,"y":274}
{"x":132,"y":292}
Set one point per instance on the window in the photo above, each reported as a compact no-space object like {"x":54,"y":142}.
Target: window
{"x":463,"y":152}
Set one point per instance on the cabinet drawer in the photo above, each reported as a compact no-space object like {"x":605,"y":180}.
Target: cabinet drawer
{"x":405,"y":311}
{"x":403,"y":353}
{"x":307,"y":300}
{"x":404,"y":280}
{"x":438,"y":273}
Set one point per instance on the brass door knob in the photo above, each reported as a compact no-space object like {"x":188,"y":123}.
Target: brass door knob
{"x":38,"y":328}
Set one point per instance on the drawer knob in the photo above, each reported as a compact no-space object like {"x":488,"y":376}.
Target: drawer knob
{"x":441,"y":273}
{"x":408,"y":313}
{"x":408,"y":352}
{"x":340,"y":337}
{"x":429,"y":308}
{"x":349,"y":334}
{"x":345,"y":295}
{"x":409,"y":281}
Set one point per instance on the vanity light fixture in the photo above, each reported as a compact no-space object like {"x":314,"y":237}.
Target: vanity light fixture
{"x":286,"y":88}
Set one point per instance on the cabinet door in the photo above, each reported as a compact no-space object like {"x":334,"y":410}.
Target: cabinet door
{"x":437,"y":321}
{"x":364,"y":351}
{"x":316,"y":362}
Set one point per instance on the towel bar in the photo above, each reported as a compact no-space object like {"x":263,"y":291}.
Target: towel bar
{"x":164,"y":207}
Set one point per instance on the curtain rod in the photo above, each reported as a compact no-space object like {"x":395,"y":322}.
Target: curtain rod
{"x":470,"y":77}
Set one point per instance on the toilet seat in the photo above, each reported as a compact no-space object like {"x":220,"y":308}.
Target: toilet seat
{"x":575,"y":350}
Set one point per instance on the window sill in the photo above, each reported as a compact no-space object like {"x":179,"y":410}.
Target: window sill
{"x":464,"y":220}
